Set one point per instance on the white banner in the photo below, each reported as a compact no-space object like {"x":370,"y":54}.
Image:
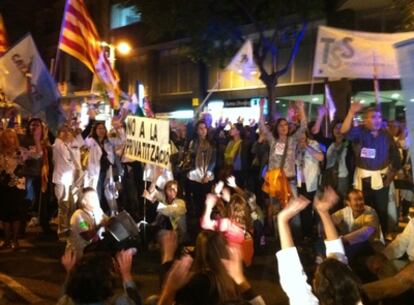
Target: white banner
{"x":148,"y":140}
{"x":352,"y":54}
{"x":405,"y":55}
{"x":25,"y":79}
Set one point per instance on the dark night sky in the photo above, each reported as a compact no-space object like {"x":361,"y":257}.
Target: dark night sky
{"x":40,"y":17}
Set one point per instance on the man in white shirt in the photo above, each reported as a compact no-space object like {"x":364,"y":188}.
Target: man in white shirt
{"x":66,"y":171}
{"x":358,"y":224}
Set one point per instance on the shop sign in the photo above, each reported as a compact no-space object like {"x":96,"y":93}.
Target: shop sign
{"x":236,"y":103}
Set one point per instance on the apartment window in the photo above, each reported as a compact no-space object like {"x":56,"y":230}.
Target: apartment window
{"x":123,"y":15}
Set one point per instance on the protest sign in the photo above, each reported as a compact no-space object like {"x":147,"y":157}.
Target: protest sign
{"x":405,"y":55}
{"x":353,"y":54}
{"x":25,"y":79}
{"x":148,"y":140}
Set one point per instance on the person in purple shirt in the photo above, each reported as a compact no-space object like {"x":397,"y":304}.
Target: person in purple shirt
{"x":376,"y":158}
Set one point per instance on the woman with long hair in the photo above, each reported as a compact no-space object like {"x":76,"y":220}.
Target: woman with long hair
{"x":236,"y":154}
{"x":237,"y":226}
{"x":37,"y":171}
{"x":171,"y":210}
{"x":13,"y":184}
{"x":282,"y":155}
{"x":101,"y":159}
{"x":214,"y":277}
{"x":201,"y":175}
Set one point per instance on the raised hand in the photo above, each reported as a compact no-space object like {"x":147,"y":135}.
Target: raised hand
{"x":300,"y":104}
{"x":356,"y":107}
{"x":124,"y":260}
{"x":92,"y":113}
{"x":231,"y":181}
{"x":218,"y":187}
{"x":322,"y":111}
{"x":327,"y":201}
{"x":295,"y":206}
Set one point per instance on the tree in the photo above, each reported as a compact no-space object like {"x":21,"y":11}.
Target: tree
{"x":406,"y":8}
{"x":215,"y":29}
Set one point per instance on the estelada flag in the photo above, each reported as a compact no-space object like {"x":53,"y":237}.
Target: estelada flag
{"x":3,"y":37}
{"x":79,"y":38}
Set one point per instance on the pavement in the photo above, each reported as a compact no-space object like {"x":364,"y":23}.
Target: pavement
{"x":33,"y":274}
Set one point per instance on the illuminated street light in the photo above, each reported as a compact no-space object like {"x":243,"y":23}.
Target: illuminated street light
{"x":124,"y":48}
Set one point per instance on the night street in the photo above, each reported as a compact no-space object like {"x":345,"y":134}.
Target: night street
{"x":34,"y":275}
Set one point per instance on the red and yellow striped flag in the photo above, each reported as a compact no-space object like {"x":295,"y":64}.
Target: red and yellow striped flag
{"x":79,"y":38}
{"x":3,"y":37}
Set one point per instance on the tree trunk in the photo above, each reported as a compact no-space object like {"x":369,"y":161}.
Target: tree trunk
{"x":270,"y":82}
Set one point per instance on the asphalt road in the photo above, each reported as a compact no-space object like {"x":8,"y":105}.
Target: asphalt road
{"x":34,"y":275}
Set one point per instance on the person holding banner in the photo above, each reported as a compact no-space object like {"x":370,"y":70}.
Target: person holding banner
{"x":101,"y":159}
{"x":376,"y":157}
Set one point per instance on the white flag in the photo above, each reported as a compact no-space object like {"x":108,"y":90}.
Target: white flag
{"x":243,"y":62}
{"x":330,"y":103}
{"x":25,"y":79}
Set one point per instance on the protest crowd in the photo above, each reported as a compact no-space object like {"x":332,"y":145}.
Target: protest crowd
{"x":328,"y":197}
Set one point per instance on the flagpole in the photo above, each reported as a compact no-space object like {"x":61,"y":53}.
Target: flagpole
{"x":325,"y":83}
{"x":211,"y":91}
{"x":58,"y":51}
{"x":376,"y":82}
{"x":311,"y":95}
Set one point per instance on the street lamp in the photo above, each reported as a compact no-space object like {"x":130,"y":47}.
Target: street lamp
{"x":123,"y":48}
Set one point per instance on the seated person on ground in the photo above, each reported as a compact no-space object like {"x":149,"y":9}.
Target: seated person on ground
{"x":358,"y":224}
{"x":87,"y":223}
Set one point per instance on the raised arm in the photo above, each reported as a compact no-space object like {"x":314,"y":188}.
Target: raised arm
{"x":206,"y":222}
{"x":347,"y":124}
{"x":292,"y":277}
{"x":322,"y":206}
{"x":318,"y":123}
{"x":262,"y":125}
{"x":294,"y":207}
